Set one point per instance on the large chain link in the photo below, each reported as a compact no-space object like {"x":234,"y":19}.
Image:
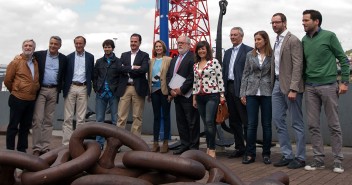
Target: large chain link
{"x":82,"y":163}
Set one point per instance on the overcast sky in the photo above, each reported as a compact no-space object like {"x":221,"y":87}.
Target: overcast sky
{"x":98,"y":20}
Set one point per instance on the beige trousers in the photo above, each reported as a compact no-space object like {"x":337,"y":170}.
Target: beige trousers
{"x":42,"y":124}
{"x":137,"y":101}
{"x":77,"y":97}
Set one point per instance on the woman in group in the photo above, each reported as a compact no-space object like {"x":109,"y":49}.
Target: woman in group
{"x":158,"y":67}
{"x":255,"y":92}
{"x":208,"y":91}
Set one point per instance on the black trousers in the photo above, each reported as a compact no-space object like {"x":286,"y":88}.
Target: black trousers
{"x":188,"y":123}
{"x":238,"y":120}
{"x":21,"y":114}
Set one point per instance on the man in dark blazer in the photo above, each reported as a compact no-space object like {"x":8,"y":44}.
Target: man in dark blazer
{"x":187,"y":117}
{"x":51,"y":65}
{"x":232,"y":69}
{"x":133,"y":84}
{"x":77,"y":87}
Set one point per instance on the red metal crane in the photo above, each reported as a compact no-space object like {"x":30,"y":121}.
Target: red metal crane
{"x":186,"y":17}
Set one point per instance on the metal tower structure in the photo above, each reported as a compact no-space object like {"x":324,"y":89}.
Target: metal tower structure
{"x":185,"y":17}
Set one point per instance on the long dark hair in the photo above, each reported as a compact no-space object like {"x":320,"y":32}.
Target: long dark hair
{"x":267,"y":47}
{"x":201,"y":44}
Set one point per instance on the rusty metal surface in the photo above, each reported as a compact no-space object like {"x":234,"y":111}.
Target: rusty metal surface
{"x":82,"y":162}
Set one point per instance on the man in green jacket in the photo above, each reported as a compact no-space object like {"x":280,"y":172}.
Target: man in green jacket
{"x":321,"y":49}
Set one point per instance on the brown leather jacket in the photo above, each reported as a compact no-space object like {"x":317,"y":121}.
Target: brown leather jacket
{"x":19,"y":80}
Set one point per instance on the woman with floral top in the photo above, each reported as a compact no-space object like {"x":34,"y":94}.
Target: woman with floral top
{"x":208,"y":91}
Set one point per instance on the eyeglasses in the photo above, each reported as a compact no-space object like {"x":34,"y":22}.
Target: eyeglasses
{"x":181,"y":43}
{"x":275,"y":22}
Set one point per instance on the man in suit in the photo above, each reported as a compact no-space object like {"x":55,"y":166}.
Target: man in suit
{"x":287,"y":92}
{"x":77,"y":87}
{"x":22,"y":80}
{"x":133,"y":84}
{"x":232,"y":69}
{"x":51,"y":65}
{"x":187,"y":117}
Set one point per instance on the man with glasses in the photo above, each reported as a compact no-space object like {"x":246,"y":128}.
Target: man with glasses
{"x":286,"y":75}
{"x":232,"y":69}
{"x":187,"y":117}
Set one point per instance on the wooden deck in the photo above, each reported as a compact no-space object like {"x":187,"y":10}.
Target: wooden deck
{"x":254,"y":171}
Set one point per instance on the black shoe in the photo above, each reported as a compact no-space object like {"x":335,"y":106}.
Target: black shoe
{"x":266,"y":160}
{"x":283,"y":162}
{"x":237,"y":153}
{"x":296,"y":163}
{"x":248,"y":159}
{"x":180,"y":151}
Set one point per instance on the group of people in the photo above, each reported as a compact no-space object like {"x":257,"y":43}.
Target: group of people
{"x":274,"y":79}
{"x":265,"y":78}
{"x":35,"y":79}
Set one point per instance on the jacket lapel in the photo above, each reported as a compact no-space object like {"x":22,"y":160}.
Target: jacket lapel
{"x":136,"y":58}
{"x":284,"y":42}
{"x":266,"y":61}
{"x":256,"y":61}
{"x":162,"y":65}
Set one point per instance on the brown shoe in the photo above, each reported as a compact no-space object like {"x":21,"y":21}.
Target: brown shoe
{"x":36,"y":153}
{"x":165,"y":147}
{"x":212,"y":153}
{"x":156,"y":147}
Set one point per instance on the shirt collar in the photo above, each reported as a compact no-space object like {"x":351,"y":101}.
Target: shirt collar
{"x":134,"y":53}
{"x":283,"y":34}
{"x":316,"y":33}
{"x":237,"y":47}
{"x":52,"y":56}
{"x":80,"y":55}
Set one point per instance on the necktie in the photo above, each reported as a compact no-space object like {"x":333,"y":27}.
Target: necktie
{"x":178,"y":63}
{"x":277,"y":42}
{"x":232,"y":63}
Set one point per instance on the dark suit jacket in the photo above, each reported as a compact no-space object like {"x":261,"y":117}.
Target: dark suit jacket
{"x":238,"y":67}
{"x":41,"y":58}
{"x":70,"y":69}
{"x":185,"y":70}
{"x":138,"y":75}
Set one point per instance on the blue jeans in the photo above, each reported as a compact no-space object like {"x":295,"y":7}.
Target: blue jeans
{"x":159,"y":101}
{"x":207,"y":107}
{"x":101,"y":104}
{"x":281,"y":104}
{"x":253,"y":104}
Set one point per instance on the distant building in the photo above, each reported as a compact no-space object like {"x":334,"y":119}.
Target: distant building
{"x":2,"y":76}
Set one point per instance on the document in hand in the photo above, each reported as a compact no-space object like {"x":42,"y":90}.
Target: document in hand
{"x":177,"y":81}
